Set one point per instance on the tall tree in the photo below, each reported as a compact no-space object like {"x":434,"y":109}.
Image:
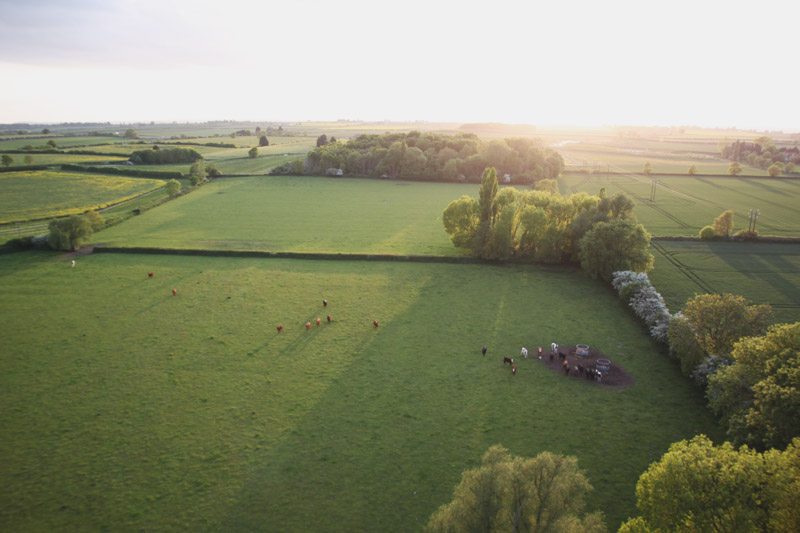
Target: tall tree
{"x":723,"y":224}
{"x":719,"y":320}
{"x":647,"y":169}
{"x":758,"y":396}
{"x":7,"y":160}
{"x":69,"y":233}
{"x":252,"y":153}
{"x":461,"y":219}
{"x":692,"y":170}
{"x":735,"y":168}
{"x":508,"y":493}
{"x":322,"y":140}
{"x":699,"y":487}
{"x":618,"y":244}
{"x":263,"y":141}
{"x":197,"y":174}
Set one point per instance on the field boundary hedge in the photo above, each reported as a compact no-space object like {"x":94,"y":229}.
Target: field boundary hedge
{"x":286,"y":255}
{"x":674,"y":174}
{"x":775,"y":239}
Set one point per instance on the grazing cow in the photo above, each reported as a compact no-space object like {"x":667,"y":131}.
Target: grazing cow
{"x":308,"y":325}
{"x":554,"y":347}
{"x":329,"y":318}
{"x":73,"y":263}
{"x":375,"y":323}
{"x":324,"y":303}
{"x":566,"y":368}
{"x":579,"y":368}
{"x":552,"y":354}
{"x":514,"y":370}
{"x":280,"y":327}
{"x":562,"y":355}
{"x":589,"y":373}
{"x":508,"y":360}
{"x":318,"y":321}
{"x":174,"y":292}
{"x":524,"y":352}
{"x":539,"y":351}
{"x":149,"y":274}
{"x":484,"y":350}
{"x":577,"y":372}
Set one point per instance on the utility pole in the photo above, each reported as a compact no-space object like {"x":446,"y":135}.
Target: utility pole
{"x":653,"y":191}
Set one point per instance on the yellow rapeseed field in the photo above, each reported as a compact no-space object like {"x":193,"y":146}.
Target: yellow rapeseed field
{"x":36,"y":195}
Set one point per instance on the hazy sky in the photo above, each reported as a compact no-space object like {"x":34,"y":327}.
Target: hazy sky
{"x":709,"y":63}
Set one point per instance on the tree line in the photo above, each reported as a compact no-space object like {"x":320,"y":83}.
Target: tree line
{"x":435,"y":156}
{"x":599,"y":232}
{"x":761,"y":153}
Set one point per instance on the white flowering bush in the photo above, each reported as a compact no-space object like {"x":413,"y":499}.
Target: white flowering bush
{"x":645,"y":300}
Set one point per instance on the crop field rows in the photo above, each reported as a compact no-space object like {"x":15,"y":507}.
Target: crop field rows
{"x":762,"y":273}
{"x":684,"y":205}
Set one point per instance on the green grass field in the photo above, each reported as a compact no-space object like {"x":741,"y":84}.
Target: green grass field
{"x":762,"y":273}
{"x":60,"y":159}
{"x":35,"y":195}
{"x":300,"y":214}
{"x":684,"y":205}
{"x":127,"y":408}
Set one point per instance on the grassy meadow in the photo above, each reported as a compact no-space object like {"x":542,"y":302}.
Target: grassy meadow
{"x":300,"y":214}
{"x":44,"y":194}
{"x":127,"y":408}
{"x":684,"y":205}
{"x":761,"y":272}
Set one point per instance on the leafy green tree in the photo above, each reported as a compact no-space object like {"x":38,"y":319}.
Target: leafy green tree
{"x":45,"y":131}
{"x":620,"y":206}
{"x":197,"y":174}
{"x":789,"y":168}
{"x":253,"y":153}
{"x":263,"y":141}
{"x":173,"y":188}
{"x":692,"y":170}
{"x":707,"y":233}
{"x":719,"y":320}
{"x":487,"y":206}
{"x":774,"y":170}
{"x":130,"y":133}
{"x":723,"y":224}
{"x":758,"y":396}
{"x":683,"y":344}
{"x":7,"y":160}
{"x":735,"y":168}
{"x":647,"y":169}
{"x":322,"y":140}
{"x":699,"y":487}
{"x":508,"y":493}
{"x":51,"y":143}
{"x":461,"y":219}
{"x":96,"y":220}
{"x":69,"y":233}
{"x":28,"y":159}
{"x":212,"y":171}
{"x":550,"y":186}
{"x":618,"y":244}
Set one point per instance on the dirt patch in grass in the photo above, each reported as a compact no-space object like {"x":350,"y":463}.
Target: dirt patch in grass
{"x":616,"y":377}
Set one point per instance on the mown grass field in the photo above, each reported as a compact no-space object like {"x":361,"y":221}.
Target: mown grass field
{"x":762,"y":273}
{"x":684,"y":205}
{"x":44,"y":194}
{"x":127,"y":408}
{"x":300,"y":214}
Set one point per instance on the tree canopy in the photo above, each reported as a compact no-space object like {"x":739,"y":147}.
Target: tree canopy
{"x":699,"y":487}
{"x":165,"y":156}
{"x":436,"y":156}
{"x":507,"y":493}
{"x":758,"y":395}
{"x":69,"y":233}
